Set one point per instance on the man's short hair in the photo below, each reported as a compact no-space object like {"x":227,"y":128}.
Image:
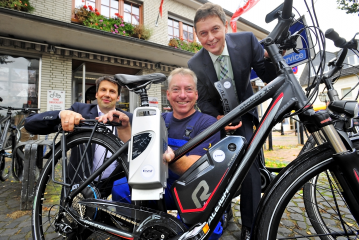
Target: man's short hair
{"x":110,"y":79}
{"x":183,"y":72}
{"x":209,"y":9}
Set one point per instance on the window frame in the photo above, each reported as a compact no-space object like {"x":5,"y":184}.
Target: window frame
{"x":121,"y":7}
{"x":181,"y":23}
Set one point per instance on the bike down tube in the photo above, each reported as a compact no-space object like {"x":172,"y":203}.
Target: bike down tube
{"x":4,"y":132}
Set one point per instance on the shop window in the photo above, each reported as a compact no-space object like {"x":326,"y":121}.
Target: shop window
{"x":178,"y":29}
{"x":131,"y":12}
{"x":19,"y":84}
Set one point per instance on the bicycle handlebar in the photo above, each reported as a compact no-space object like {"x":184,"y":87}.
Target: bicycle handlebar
{"x":339,"y":41}
{"x":19,"y":109}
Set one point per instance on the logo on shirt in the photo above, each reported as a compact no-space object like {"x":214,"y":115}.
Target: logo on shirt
{"x":227,"y":84}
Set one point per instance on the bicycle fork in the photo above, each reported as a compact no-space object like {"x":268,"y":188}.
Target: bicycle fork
{"x":345,"y":167}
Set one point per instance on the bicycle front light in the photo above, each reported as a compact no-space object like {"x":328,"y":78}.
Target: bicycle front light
{"x":350,"y":108}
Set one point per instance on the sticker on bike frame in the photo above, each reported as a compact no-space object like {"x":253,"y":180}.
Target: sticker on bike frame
{"x":219,"y":156}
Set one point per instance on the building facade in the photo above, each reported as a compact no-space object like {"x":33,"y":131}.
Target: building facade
{"x":49,"y":61}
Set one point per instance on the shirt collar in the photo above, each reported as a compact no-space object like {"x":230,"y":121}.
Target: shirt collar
{"x":224,"y":53}
{"x":99,"y":111}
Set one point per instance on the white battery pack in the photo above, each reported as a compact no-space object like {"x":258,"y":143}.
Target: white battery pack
{"x":148,"y":172}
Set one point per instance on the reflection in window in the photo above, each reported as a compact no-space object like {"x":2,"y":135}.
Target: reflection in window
{"x":188,"y":33}
{"x":19,"y":82}
{"x":109,"y":8}
{"x":173,"y":29}
{"x":131,"y":13}
{"x":80,"y":3}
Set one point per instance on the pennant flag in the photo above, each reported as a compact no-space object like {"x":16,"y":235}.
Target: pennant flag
{"x":243,"y":7}
{"x":161,"y":7}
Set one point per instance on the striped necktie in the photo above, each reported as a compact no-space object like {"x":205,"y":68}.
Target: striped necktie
{"x":224,"y":68}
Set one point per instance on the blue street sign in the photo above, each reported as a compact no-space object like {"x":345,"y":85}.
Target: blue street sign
{"x":294,"y":58}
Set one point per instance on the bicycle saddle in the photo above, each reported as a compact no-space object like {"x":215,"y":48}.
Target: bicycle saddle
{"x":134,"y":81}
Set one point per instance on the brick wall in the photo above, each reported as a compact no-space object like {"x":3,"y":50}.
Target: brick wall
{"x":56,"y":74}
{"x":54,"y":9}
{"x":151,"y":9}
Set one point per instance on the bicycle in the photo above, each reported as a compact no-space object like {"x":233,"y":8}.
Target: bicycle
{"x":10,"y":135}
{"x":76,"y":212}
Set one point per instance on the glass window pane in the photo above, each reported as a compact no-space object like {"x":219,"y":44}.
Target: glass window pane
{"x":127,"y":8}
{"x":135,"y":19}
{"x":127,"y":17}
{"x":135,"y":10}
{"x":175,"y":24}
{"x":105,"y":2}
{"x":170,"y":30}
{"x":114,"y":4}
{"x":79,"y":3}
{"x":113,"y":11}
{"x":91,"y":4}
{"x":176,"y":32}
{"x":190,"y":29}
{"x":105,"y":11}
{"x":190,"y":36}
{"x":185,"y":35}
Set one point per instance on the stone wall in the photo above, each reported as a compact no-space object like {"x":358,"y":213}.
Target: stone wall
{"x":54,"y":9}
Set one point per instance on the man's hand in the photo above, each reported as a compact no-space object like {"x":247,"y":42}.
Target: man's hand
{"x":123,"y":131}
{"x":168,"y":155}
{"x":115,"y":116}
{"x":69,"y":119}
{"x":230,"y":127}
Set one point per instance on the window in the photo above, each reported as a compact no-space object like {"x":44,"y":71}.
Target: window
{"x":173,"y":29}
{"x":353,"y":60}
{"x":179,"y":29}
{"x":188,"y":33}
{"x":345,"y":92}
{"x":131,"y":13}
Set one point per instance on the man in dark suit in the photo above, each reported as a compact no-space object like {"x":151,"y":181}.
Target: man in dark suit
{"x":107,"y":94}
{"x":230,"y":56}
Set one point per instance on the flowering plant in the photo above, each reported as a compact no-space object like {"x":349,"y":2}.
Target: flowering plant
{"x":20,"y":5}
{"x":184,"y":45}
{"x":90,"y":17}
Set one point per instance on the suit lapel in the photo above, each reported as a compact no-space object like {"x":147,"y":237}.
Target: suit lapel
{"x":234,"y":54}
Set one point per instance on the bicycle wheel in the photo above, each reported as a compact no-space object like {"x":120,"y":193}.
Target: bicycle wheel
{"x":282,"y":213}
{"x":50,"y":194}
{"x":320,"y":195}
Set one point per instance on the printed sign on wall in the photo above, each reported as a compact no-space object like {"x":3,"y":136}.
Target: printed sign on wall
{"x":55,"y":100}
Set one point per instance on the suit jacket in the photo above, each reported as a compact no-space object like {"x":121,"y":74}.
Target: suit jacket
{"x":245,"y":53}
{"x":48,"y":122}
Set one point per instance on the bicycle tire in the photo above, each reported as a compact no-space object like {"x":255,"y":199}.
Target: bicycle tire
{"x":281,"y":213}
{"x":315,"y":194}
{"x":49,"y":194}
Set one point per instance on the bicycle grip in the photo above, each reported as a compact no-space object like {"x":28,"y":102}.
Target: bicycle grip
{"x":334,"y":36}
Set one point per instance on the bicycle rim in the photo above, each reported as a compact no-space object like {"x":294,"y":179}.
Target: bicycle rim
{"x":283,"y":211}
{"x":49,"y":194}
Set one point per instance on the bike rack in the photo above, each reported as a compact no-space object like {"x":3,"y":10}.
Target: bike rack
{"x":31,"y":154}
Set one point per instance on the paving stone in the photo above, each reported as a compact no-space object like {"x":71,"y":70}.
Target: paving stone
{"x":228,"y":237}
{"x":232,"y":227}
{"x":297,"y":217}
{"x":237,"y":214}
{"x":8,"y":232}
{"x":12,"y":225}
{"x":294,"y":209}
{"x":302,"y":225}
{"x":18,"y":236}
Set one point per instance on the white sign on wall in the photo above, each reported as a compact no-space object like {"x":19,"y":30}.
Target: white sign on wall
{"x":55,"y":100}
{"x":153,"y":102}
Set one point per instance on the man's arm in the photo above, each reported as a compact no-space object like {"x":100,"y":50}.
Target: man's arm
{"x":123,"y":131}
{"x":263,"y":68}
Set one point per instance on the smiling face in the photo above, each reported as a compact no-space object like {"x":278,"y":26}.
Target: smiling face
{"x":211,"y":33}
{"x":182,"y":95}
{"x":107,"y":95}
